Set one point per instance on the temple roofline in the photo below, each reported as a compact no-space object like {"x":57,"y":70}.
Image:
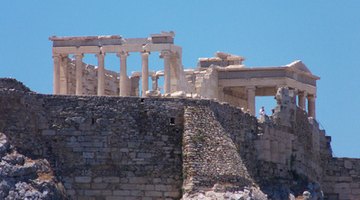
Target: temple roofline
{"x":81,"y":38}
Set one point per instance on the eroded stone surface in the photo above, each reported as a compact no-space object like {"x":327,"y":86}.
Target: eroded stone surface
{"x":24,"y":178}
{"x":12,"y":84}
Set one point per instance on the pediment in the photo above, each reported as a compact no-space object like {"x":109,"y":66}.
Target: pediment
{"x":299,"y":65}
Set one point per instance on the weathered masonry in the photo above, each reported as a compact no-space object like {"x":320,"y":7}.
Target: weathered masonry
{"x":223,"y":77}
{"x":106,"y":147}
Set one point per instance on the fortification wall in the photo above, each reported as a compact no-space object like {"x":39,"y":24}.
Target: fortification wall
{"x":342,"y":179}
{"x":100,"y":147}
{"x":151,"y":148}
{"x":218,"y":148}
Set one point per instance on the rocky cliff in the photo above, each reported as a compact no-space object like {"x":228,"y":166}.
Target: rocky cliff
{"x":24,"y":178}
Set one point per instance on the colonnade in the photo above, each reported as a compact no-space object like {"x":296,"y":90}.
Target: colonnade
{"x":302,"y":97}
{"x":124,"y":85}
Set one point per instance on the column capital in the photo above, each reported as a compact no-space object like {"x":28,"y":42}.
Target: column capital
{"x":145,"y":53}
{"x":78,"y":55}
{"x":122,"y":54}
{"x":60,"y":55}
{"x":311,"y":96}
{"x":57,"y":55}
{"x":250,"y":87}
{"x":64,"y":54}
{"x":302,"y":93}
{"x":100,"y":55}
{"x":165,"y":54}
{"x":281,"y":86}
{"x":145,"y":47}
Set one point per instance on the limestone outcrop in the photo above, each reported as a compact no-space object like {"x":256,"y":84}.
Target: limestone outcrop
{"x":24,"y":178}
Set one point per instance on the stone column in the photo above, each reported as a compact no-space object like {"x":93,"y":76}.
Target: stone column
{"x":123,"y":75}
{"x":302,"y":99}
{"x":64,"y":74}
{"x":166,"y":55}
{"x":56,"y":81}
{"x":251,"y":99}
{"x":311,"y":105}
{"x":154,"y":80}
{"x":79,"y":73}
{"x":145,"y":72}
{"x":174,"y":85}
{"x":101,"y":74}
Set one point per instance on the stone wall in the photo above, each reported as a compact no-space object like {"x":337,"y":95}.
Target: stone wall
{"x":342,"y":179}
{"x":13,"y":84}
{"x":215,"y":148}
{"x":206,"y":83}
{"x":100,"y":147}
{"x":234,"y":96}
{"x":152,"y":148}
{"x":90,"y":81}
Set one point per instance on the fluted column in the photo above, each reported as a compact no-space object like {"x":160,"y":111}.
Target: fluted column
{"x":145,"y":72}
{"x":167,"y":76}
{"x":251,"y":99}
{"x":64,"y":74}
{"x":101,"y":74}
{"x":302,"y":99}
{"x":56,"y":73}
{"x":123,"y":75}
{"x":311,"y":106}
{"x":79,"y":73}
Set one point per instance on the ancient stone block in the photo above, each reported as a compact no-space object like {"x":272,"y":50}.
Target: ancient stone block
{"x":88,"y":155}
{"x":99,"y":185}
{"x":153,"y":194}
{"x":348,"y":164}
{"x":137,"y":180}
{"x":121,"y":192}
{"x":82,"y":179}
{"x":92,"y":192}
{"x":110,"y":179}
{"x":162,"y":188}
{"x":48,"y":132}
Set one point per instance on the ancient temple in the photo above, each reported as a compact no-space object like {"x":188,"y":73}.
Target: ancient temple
{"x":223,"y":77}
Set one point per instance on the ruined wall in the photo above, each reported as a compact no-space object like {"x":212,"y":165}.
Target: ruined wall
{"x":289,"y":148}
{"x":215,"y":150}
{"x":151,"y":148}
{"x":342,"y":179}
{"x":233,"y":97}
{"x":206,"y":83}
{"x":90,"y":81}
{"x":100,"y":147}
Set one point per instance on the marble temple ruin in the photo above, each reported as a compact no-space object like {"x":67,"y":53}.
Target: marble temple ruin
{"x":223,"y":77}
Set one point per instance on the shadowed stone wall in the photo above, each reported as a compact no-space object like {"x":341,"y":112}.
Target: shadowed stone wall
{"x":100,"y":147}
{"x":212,"y":155}
{"x":342,"y":179}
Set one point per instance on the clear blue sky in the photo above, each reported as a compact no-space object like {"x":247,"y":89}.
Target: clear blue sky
{"x":324,"y":34}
